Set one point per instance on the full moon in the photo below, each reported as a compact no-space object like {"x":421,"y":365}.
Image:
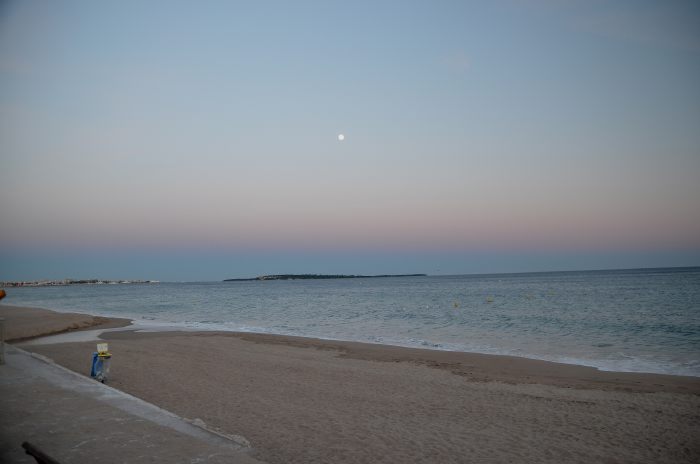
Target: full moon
{"x":341,"y":137}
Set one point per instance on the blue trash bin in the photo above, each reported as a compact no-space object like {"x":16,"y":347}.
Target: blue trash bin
{"x":100,"y":366}
{"x":93,"y":368}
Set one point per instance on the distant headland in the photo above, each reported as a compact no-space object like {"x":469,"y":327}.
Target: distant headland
{"x":319,"y":276}
{"x":54,"y":283}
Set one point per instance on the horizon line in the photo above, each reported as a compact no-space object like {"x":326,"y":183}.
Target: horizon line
{"x":473,"y":274}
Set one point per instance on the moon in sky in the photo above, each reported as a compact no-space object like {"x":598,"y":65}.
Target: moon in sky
{"x":341,"y":137}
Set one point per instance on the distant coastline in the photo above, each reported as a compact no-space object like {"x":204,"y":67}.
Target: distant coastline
{"x":319,"y":276}
{"x":56,"y":283}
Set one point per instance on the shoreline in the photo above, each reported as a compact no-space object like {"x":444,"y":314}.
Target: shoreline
{"x":480,"y":367}
{"x":150,"y":326}
{"x":569,"y":361}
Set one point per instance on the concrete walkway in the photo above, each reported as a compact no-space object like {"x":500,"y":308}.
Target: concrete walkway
{"x":74,"y":419}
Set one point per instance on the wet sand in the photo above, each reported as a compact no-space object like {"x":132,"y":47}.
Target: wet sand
{"x":305,"y":400}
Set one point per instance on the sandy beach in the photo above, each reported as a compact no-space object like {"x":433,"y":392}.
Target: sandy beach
{"x":306,"y":400}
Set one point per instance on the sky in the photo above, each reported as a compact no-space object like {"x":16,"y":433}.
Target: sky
{"x":199,"y":140}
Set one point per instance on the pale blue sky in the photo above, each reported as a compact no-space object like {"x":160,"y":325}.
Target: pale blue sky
{"x":198,"y":140}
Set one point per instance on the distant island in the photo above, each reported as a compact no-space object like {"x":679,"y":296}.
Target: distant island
{"x":55,"y":283}
{"x":319,"y":276}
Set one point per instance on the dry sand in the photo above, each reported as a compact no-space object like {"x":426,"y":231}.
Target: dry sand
{"x":303,"y":400}
{"x":25,"y":323}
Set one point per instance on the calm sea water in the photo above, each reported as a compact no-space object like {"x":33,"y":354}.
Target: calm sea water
{"x":631,"y":320}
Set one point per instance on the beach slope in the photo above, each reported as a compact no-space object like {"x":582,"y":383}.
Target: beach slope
{"x":302,"y":400}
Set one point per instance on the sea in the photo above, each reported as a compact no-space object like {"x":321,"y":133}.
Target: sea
{"x":640,"y":320}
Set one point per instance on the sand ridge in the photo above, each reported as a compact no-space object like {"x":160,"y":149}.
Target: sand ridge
{"x":22,"y":323}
